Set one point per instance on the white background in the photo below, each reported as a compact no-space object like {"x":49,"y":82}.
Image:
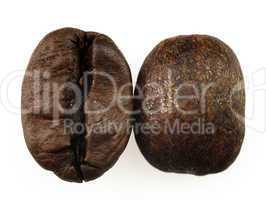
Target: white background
{"x":136,"y":27}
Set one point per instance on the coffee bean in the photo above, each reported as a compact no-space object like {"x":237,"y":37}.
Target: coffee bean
{"x":190,"y":105}
{"x":76,"y":104}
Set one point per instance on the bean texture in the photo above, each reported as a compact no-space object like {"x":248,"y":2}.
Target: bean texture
{"x":190,"y":106}
{"x":75,"y":118}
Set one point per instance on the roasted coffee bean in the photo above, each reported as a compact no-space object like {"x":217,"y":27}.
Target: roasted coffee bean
{"x":76,"y":103}
{"x":190,"y":105}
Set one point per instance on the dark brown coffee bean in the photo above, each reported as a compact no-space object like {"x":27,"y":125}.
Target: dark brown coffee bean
{"x":76,"y":104}
{"x":190,"y":105}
